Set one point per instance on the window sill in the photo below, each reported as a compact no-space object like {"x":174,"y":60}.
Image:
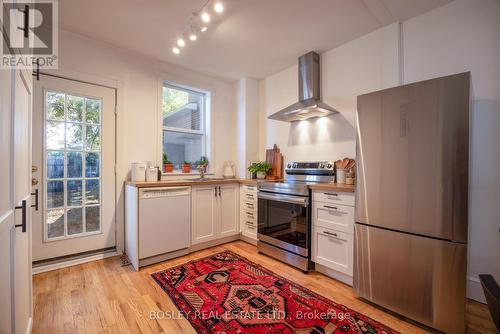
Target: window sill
{"x":174,"y":173}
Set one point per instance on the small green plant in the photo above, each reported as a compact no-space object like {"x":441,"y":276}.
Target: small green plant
{"x":202,"y":162}
{"x":187,"y":163}
{"x":165,"y":160}
{"x":262,"y":167}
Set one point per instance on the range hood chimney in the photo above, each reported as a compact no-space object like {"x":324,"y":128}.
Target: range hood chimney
{"x":310,"y":104}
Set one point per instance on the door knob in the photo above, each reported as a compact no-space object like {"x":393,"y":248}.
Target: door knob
{"x":34,"y":181}
{"x":34,"y":168}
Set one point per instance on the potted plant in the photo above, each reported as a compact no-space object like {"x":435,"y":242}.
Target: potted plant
{"x":260,"y":168}
{"x":186,"y":167}
{"x":253,"y":170}
{"x":202,"y":162}
{"x":168,"y":166}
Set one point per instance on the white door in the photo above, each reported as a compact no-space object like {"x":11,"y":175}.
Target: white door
{"x":229,"y":209}
{"x":74,"y":153}
{"x":15,"y":211}
{"x":204,"y":213}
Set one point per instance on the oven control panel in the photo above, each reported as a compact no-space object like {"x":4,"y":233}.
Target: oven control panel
{"x":326,"y":167}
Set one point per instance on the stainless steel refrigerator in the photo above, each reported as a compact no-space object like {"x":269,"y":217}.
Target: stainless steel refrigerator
{"x":411,"y":200}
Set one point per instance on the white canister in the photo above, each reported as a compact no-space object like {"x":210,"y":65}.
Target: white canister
{"x":152,"y":174}
{"x":341,"y":176}
{"x":138,"y":172}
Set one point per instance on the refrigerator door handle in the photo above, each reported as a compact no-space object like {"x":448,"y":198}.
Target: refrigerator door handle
{"x":403,"y":120}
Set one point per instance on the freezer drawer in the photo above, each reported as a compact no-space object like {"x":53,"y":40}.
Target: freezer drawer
{"x":421,"y":278}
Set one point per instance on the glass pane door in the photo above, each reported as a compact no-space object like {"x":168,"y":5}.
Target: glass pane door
{"x":72,"y":161}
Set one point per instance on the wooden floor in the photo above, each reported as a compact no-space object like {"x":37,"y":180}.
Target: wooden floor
{"x":103,"y":297}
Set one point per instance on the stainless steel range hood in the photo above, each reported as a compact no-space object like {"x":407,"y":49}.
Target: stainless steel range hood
{"x":310,"y":104}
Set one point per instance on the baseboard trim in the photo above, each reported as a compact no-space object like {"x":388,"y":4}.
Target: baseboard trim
{"x":333,"y":274}
{"x":247,"y":239}
{"x":73,"y":262}
{"x":212,"y":243}
{"x":160,"y":258}
{"x":475,"y":290}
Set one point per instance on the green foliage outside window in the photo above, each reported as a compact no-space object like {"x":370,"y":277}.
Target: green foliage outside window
{"x":173,"y":99}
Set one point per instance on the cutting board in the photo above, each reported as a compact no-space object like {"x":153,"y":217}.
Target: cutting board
{"x":275,"y":158}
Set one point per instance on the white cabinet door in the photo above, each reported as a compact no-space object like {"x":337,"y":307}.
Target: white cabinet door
{"x":6,"y":204}
{"x":229,"y":209}
{"x":333,"y":249}
{"x":204,"y":213}
{"x":22,"y":192}
{"x":15,"y":163}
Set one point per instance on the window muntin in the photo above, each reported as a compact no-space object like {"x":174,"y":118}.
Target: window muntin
{"x":72,"y":156}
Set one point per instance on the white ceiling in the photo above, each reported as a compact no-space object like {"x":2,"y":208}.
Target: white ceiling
{"x":253,"y":38}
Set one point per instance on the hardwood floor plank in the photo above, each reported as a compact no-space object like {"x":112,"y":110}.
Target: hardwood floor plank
{"x":103,"y":297}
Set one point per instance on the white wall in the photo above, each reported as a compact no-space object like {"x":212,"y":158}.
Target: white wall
{"x":138,"y":81}
{"x":461,"y":36}
{"x":366,"y":64}
{"x":465,"y":36}
{"x":248,"y":123}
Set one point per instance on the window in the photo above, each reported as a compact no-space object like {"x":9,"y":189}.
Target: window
{"x":184,"y":121}
{"x":73,"y":165}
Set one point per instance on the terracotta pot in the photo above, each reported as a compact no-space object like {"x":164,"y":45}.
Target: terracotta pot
{"x":186,"y":168}
{"x":168,"y":168}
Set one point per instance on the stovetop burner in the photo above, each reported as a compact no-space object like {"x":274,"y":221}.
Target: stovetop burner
{"x":299,"y":175}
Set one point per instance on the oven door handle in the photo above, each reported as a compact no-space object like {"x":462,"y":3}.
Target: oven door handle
{"x":304,"y":201}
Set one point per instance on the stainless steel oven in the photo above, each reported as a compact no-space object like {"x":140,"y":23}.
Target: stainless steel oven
{"x":284,"y":213}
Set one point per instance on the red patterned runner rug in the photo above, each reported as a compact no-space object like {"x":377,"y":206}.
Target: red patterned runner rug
{"x":226,"y":293}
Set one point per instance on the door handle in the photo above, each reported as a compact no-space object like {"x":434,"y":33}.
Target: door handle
{"x":331,"y":194}
{"x":36,"y":200}
{"x":219,"y":190}
{"x":23,"y":215}
{"x":329,"y":233}
{"x":215,"y":191}
{"x":330,"y":207}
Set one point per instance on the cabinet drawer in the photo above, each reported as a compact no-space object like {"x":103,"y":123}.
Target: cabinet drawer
{"x":248,"y":205}
{"x":248,"y":196}
{"x":333,"y":249}
{"x":249,"y":188}
{"x":248,"y":225}
{"x":248,"y":215}
{"x":334,"y":216}
{"x":334,"y":197}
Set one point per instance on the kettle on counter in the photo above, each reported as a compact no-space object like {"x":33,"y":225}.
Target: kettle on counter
{"x":228,"y":172}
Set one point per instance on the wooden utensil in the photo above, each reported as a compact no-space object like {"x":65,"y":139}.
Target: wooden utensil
{"x":351,"y":163}
{"x":338,"y":164}
{"x":345,"y":162}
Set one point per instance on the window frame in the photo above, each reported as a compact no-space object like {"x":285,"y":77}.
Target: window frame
{"x":65,"y":178}
{"x":205,"y":125}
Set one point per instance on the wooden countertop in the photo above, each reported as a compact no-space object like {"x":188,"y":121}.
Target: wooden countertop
{"x":333,"y":187}
{"x":178,"y":183}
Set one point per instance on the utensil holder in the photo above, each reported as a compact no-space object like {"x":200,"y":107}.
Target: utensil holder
{"x":341,"y":176}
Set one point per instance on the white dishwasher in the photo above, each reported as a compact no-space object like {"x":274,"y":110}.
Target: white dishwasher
{"x":164,"y":220}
